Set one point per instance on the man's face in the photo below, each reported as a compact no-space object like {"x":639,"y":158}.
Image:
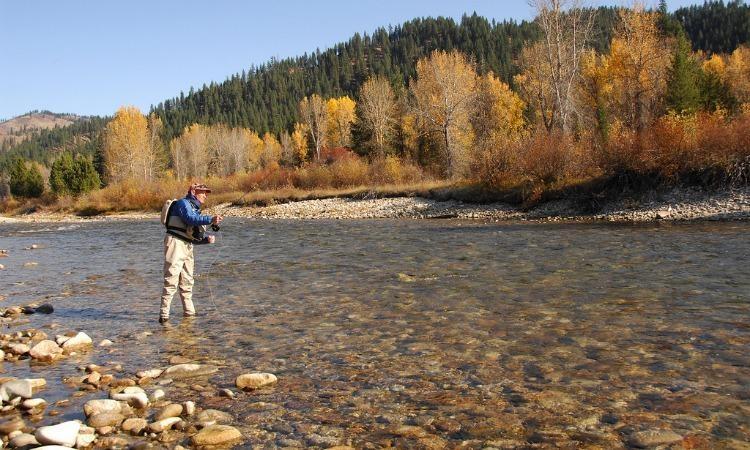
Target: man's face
{"x":201,"y":196}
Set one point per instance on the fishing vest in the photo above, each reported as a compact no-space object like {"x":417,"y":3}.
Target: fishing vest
{"x":178,"y":228}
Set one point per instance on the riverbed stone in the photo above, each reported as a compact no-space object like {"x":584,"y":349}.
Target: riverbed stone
{"x":107,"y":419}
{"x":46,"y":351}
{"x":214,"y":416}
{"x":23,"y":440}
{"x":163,"y":424}
{"x":157,"y":395}
{"x":179,"y":360}
{"x":64,"y":434}
{"x":171,"y":410}
{"x":17,"y":388}
{"x":85,"y":439}
{"x":19,"y":349}
{"x":181,"y":371}
{"x":80,"y":341}
{"x":136,"y":399}
{"x":8,"y":426}
{"x":653,"y":438}
{"x":250,"y":381}
{"x":101,"y":406}
{"x":134,"y":425}
{"x":150,"y":373}
{"x":32,"y":403}
{"x":217,"y":435}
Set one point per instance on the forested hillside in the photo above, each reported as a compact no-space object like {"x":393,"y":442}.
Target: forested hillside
{"x":265,"y":98}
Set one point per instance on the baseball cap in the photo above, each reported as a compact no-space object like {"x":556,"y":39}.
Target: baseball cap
{"x":200,"y":187}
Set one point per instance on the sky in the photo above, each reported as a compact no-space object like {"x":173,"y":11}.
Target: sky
{"x":89,"y":57}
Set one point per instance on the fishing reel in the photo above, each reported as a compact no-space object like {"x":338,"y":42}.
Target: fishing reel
{"x":215,"y":227}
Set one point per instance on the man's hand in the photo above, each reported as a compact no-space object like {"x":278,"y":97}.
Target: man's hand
{"x":217,"y":219}
{"x":211,"y":239}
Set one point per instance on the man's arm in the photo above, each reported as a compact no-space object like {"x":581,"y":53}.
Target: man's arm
{"x":189,"y":216}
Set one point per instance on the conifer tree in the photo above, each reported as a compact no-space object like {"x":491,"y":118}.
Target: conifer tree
{"x":684,"y":79}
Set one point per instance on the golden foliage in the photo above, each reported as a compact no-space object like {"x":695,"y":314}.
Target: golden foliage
{"x":299,"y":143}
{"x":340,"y":116}
{"x":738,"y":74}
{"x":314,"y":115}
{"x":129,"y":151}
{"x":443,"y":92}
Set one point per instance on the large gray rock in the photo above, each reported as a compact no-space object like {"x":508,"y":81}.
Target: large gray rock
{"x":101,"y":406}
{"x":46,"y":351}
{"x":17,"y":388}
{"x":180,"y":371}
{"x":256,"y":380}
{"x":217,"y":435}
{"x":64,"y":434}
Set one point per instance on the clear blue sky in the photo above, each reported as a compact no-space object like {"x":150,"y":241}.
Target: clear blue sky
{"x":91,"y":56}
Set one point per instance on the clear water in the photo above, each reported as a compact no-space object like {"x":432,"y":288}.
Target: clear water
{"x":475,"y":334}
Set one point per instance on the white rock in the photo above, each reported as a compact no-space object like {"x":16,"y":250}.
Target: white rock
{"x":84,"y":440}
{"x":164,"y":424}
{"x":78,"y":341}
{"x":64,"y":434}
{"x":53,"y":447}
{"x":189,"y":408}
{"x":17,"y":388}
{"x":137,"y":400}
{"x":105,"y":343}
{"x":157,"y":395}
{"x":19,"y":349}
{"x":133,"y":390}
{"x":101,"y":406}
{"x":33,"y":403}
{"x":151,"y":373}
{"x":46,"y":350}
{"x":36,"y":383}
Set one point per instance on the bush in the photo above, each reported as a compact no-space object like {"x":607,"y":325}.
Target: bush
{"x":25,"y":179}
{"x":392,"y":170}
{"x":314,"y":176}
{"x":349,"y":172}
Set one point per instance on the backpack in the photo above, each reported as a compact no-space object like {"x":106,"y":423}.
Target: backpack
{"x":165,"y":210}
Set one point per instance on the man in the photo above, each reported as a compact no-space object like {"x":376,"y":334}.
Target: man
{"x":186,"y":227}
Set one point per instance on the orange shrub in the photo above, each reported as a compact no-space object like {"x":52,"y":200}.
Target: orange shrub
{"x":313,"y":176}
{"x":348,"y":172}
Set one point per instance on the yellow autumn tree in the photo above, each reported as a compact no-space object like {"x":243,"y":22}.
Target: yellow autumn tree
{"x":190,"y":157}
{"x":377,"y":111}
{"x":594,"y":90}
{"x":443,"y":92}
{"x":229,"y":149}
{"x":271,"y":154}
{"x":534,"y":84}
{"x":738,"y":74}
{"x":639,"y":61}
{"x":299,"y":143}
{"x":314,"y":115}
{"x":255,"y":148}
{"x":129,"y":152}
{"x":340,"y":116}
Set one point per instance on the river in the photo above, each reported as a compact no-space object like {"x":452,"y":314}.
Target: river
{"x":418,"y":334}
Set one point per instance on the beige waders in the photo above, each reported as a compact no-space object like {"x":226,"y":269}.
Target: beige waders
{"x":178,"y":272}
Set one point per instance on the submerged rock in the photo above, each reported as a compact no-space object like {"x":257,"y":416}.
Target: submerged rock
{"x":217,"y":435}
{"x":251,"y":381}
{"x":214,"y":416}
{"x":652,"y":438}
{"x":180,"y":371}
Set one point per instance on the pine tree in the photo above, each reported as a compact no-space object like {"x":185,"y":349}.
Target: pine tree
{"x":683,"y":84}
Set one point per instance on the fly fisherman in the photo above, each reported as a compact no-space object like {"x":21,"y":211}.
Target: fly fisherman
{"x":185,"y":227}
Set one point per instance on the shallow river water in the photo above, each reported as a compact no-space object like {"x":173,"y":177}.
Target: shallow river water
{"x":419,"y":334}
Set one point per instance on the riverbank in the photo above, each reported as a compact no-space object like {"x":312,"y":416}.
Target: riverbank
{"x":674,"y":205}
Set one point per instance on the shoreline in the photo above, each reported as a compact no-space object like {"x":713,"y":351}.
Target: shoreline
{"x":676,"y":205}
